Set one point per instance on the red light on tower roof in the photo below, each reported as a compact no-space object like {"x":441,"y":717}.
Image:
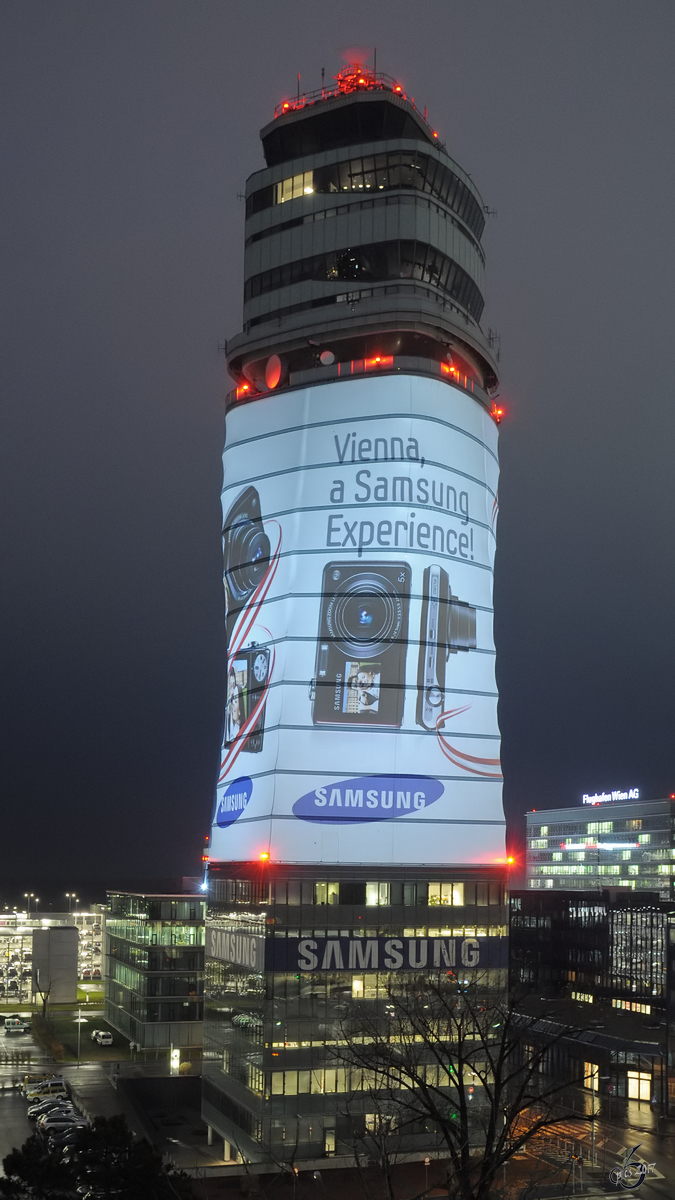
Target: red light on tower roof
{"x":264,"y":856}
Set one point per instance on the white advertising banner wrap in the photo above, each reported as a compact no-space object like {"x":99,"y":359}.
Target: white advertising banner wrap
{"x":361,"y":709}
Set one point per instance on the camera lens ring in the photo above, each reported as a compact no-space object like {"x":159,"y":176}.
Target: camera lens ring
{"x":363,"y":615}
{"x":247,"y":557}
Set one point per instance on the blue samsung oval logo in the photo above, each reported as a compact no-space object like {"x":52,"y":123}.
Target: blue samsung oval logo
{"x":233,"y":801}
{"x":368,"y":798}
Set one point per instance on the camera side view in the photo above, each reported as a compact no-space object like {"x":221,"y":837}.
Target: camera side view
{"x":246,"y":550}
{"x":363,"y":632}
{"x":447,"y":625}
{"x":246,"y":553}
{"x":246,"y":678}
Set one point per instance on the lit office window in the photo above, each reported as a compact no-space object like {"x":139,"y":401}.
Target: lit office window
{"x":326,"y":893}
{"x":377,"y":893}
{"x":592,"y":1076}
{"x":297,"y":185}
{"x":446,"y":893}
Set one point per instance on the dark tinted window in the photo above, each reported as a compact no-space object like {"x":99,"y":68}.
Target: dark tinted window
{"x":381,"y":260}
{"x":346,"y":125}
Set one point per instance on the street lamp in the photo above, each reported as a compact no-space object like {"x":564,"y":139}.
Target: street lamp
{"x":70,"y":896}
{"x":79,"y":1021}
{"x":31,"y":896}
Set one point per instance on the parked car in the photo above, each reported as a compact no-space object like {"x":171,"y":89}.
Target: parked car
{"x":16,"y":1025}
{"x":64,"y":1111}
{"x":60,"y":1124}
{"x":44,"y":1106}
{"x":247,"y":1021}
{"x":86,"y":973}
{"x":103,"y":1037}
{"x":53,"y":1087}
{"x":96,"y":973}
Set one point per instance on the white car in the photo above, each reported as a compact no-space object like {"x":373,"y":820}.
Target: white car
{"x":103,"y":1037}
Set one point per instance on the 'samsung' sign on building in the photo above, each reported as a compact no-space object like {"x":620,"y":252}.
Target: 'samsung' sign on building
{"x":309,"y":954}
{"x":361,"y":709}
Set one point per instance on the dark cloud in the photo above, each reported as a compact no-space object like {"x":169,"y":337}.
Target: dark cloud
{"x":128,"y":132}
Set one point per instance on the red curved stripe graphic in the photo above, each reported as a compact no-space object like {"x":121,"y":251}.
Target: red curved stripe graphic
{"x":242,"y":628}
{"x":458,"y":758}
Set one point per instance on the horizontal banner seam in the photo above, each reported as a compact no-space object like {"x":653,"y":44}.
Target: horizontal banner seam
{"x":293,"y":596}
{"x":409,"y":820}
{"x":379,"y":506}
{"x":336,"y":551}
{"x":361,"y":418}
{"x":418,"y":732}
{"x":422,"y":464}
{"x":333,"y":775}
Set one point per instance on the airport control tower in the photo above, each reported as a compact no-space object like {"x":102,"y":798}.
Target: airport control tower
{"x":358,"y":828}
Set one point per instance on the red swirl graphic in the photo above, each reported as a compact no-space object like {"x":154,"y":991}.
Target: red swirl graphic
{"x":242,"y":627}
{"x":461,"y":760}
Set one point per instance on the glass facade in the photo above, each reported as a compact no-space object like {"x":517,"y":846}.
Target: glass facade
{"x":380,"y":260}
{"x":613,"y":951}
{"x":399,"y":169}
{"x":290,"y":957}
{"x":617,"y":844}
{"x":154,"y":977}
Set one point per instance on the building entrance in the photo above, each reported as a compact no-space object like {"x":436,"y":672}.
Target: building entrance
{"x":639,"y":1086}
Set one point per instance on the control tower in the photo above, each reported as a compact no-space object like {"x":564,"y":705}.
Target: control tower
{"x":358,"y":828}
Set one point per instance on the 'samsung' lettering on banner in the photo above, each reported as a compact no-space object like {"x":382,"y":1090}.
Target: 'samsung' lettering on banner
{"x":359,"y":535}
{"x":386,"y":954}
{"x":240,"y":949}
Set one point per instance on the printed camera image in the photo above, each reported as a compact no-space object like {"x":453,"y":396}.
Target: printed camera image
{"x":246,"y":681}
{"x":361,"y":688}
{"x":361,"y":650}
{"x":447,"y":625}
{"x":246,"y":550}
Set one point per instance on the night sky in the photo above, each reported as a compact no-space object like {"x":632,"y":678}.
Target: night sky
{"x":128,"y":130}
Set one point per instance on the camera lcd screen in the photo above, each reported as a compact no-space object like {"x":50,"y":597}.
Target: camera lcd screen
{"x":361,"y":693}
{"x":245,"y":689}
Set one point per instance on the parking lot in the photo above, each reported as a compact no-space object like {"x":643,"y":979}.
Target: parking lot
{"x":16,"y":951}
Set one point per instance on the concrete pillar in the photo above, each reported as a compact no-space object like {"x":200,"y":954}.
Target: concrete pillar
{"x":226,"y":1150}
{"x":209,"y":1135}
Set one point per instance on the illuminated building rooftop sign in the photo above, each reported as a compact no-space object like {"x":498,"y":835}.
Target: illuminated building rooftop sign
{"x":606,"y":797}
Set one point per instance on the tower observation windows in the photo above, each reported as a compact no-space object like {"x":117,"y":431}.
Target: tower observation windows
{"x":401,"y":259}
{"x":396,"y":170}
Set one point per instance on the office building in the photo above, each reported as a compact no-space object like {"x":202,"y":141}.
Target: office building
{"x":358,"y":831}
{"x":618,"y":843}
{"x":154,"y":973}
{"x":603,"y":962}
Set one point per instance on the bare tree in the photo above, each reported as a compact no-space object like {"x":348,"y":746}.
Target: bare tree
{"x":450,"y":1066}
{"x":43,"y":990}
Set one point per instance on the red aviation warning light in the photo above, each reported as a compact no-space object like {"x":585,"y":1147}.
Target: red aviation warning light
{"x":264,"y":857}
{"x":352,"y":78}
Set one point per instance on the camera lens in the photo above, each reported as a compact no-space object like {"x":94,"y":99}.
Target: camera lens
{"x":363,"y":616}
{"x":247,"y":556}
